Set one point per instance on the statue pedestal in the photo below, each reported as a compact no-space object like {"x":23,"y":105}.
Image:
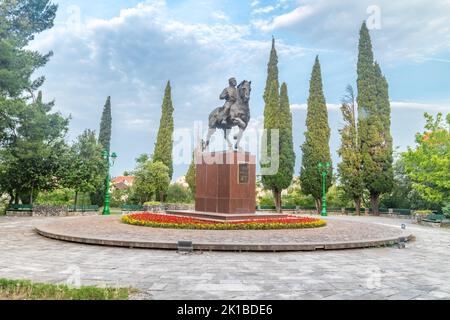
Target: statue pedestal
{"x":226,"y":182}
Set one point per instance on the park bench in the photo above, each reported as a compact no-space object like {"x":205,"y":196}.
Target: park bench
{"x":20,"y":207}
{"x":132,"y":207}
{"x":83,"y":208}
{"x":434,"y":218}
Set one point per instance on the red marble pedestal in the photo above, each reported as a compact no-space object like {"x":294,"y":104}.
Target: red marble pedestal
{"x":225,"y":182}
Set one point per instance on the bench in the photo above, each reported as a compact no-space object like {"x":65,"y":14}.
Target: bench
{"x":434,"y":218}
{"x":132,"y":207}
{"x":83,"y":208}
{"x":20,"y":207}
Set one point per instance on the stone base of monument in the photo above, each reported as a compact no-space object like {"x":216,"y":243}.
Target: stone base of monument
{"x":225,"y":216}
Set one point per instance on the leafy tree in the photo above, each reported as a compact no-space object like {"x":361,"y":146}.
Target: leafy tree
{"x":316,"y":147}
{"x":350,"y":167}
{"x":34,"y":158}
{"x":164,"y":141}
{"x":152,"y":178}
{"x":178,"y":193}
{"x":428,"y":164}
{"x":86,"y":167}
{"x":374,"y":123}
{"x":277,"y":116}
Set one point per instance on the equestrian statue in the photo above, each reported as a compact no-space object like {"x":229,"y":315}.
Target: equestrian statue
{"x":234,"y":113}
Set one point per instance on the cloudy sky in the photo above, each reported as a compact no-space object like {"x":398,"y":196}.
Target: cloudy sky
{"x":129,"y":49}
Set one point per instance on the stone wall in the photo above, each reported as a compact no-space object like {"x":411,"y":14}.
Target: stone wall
{"x":161,"y":208}
{"x":48,"y":211}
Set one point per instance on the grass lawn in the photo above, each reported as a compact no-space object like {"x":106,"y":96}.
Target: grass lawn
{"x":27,"y":290}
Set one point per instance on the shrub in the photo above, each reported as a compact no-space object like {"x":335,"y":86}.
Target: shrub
{"x":178,"y":193}
{"x":446,"y":210}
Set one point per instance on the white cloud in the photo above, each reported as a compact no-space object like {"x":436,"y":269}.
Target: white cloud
{"x":254,"y":3}
{"x":442,"y":107}
{"x":220,"y":15}
{"x":263,"y":10}
{"x":304,"y":106}
{"x":335,"y":23}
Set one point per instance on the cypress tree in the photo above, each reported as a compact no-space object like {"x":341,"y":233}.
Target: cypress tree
{"x":350,"y":166}
{"x":316,"y":147}
{"x":164,"y":140}
{"x":190,"y":176}
{"x":104,"y":136}
{"x":272,"y":71}
{"x":374,"y":123}
{"x":104,"y":139}
{"x":277,"y":116}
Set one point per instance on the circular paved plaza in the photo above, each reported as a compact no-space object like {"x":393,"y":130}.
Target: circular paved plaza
{"x":337,"y":234}
{"x":416,"y":272}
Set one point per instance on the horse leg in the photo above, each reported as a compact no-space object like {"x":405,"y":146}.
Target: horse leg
{"x":227,"y":134}
{"x":239,"y":137}
{"x":211,"y":131}
{"x":241,"y":124}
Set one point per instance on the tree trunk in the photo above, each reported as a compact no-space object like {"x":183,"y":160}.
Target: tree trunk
{"x":319,"y":205}
{"x":277,"y":198}
{"x":375,"y":201}
{"x":358,"y":206}
{"x":16,"y":198}
{"x":76,"y":199}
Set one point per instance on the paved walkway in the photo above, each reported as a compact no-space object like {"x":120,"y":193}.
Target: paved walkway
{"x":417,"y":272}
{"x":111,"y":231}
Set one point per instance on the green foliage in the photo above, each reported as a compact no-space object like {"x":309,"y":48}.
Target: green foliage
{"x":120,"y":197}
{"x":85,"y":164}
{"x":190,"y":176}
{"x":35,"y":158}
{"x":152,"y":179}
{"x":164,"y":141}
{"x":350,"y":167}
{"x":446,"y":209}
{"x":27,"y":290}
{"x":428,"y":164}
{"x":374,"y":122}
{"x":57,"y":197}
{"x":104,"y":136}
{"x":178,"y":193}
{"x":316,"y":147}
{"x":277,"y":117}
{"x":272,"y":72}
{"x":20,"y":21}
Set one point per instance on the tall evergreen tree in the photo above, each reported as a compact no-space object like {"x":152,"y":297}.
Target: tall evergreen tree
{"x":190,"y":176}
{"x":272,"y":71}
{"x":316,"y":147}
{"x":164,"y":140}
{"x":350,"y":166}
{"x":104,"y":140}
{"x":374,"y":123}
{"x":104,"y":136}
{"x":277,"y":116}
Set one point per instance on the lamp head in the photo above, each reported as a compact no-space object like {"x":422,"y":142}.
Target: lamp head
{"x":113,"y":156}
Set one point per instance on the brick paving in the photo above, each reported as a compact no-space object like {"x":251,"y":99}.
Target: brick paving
{"x":416,"y":272}
{"x":109,"y":230}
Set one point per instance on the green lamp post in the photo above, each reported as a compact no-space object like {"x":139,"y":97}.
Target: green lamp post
{"x":323,"y":171}
{"x":107,"y":157}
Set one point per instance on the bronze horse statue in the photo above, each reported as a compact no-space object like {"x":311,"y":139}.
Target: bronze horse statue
{"x":239,"y":116}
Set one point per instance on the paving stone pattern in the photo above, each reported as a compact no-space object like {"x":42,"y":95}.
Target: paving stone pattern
{"x":417,"y":272}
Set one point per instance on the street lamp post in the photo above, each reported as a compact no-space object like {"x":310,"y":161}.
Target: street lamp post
{"x":323,"y":170}
{"x":113,"y":157}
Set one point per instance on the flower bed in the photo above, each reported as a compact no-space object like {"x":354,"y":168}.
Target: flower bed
{"x":174,"y":222}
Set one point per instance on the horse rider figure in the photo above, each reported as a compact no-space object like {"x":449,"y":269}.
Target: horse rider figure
{"x":229,"y":94}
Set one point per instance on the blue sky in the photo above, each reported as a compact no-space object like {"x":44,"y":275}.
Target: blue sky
{"x":129,"y":49}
